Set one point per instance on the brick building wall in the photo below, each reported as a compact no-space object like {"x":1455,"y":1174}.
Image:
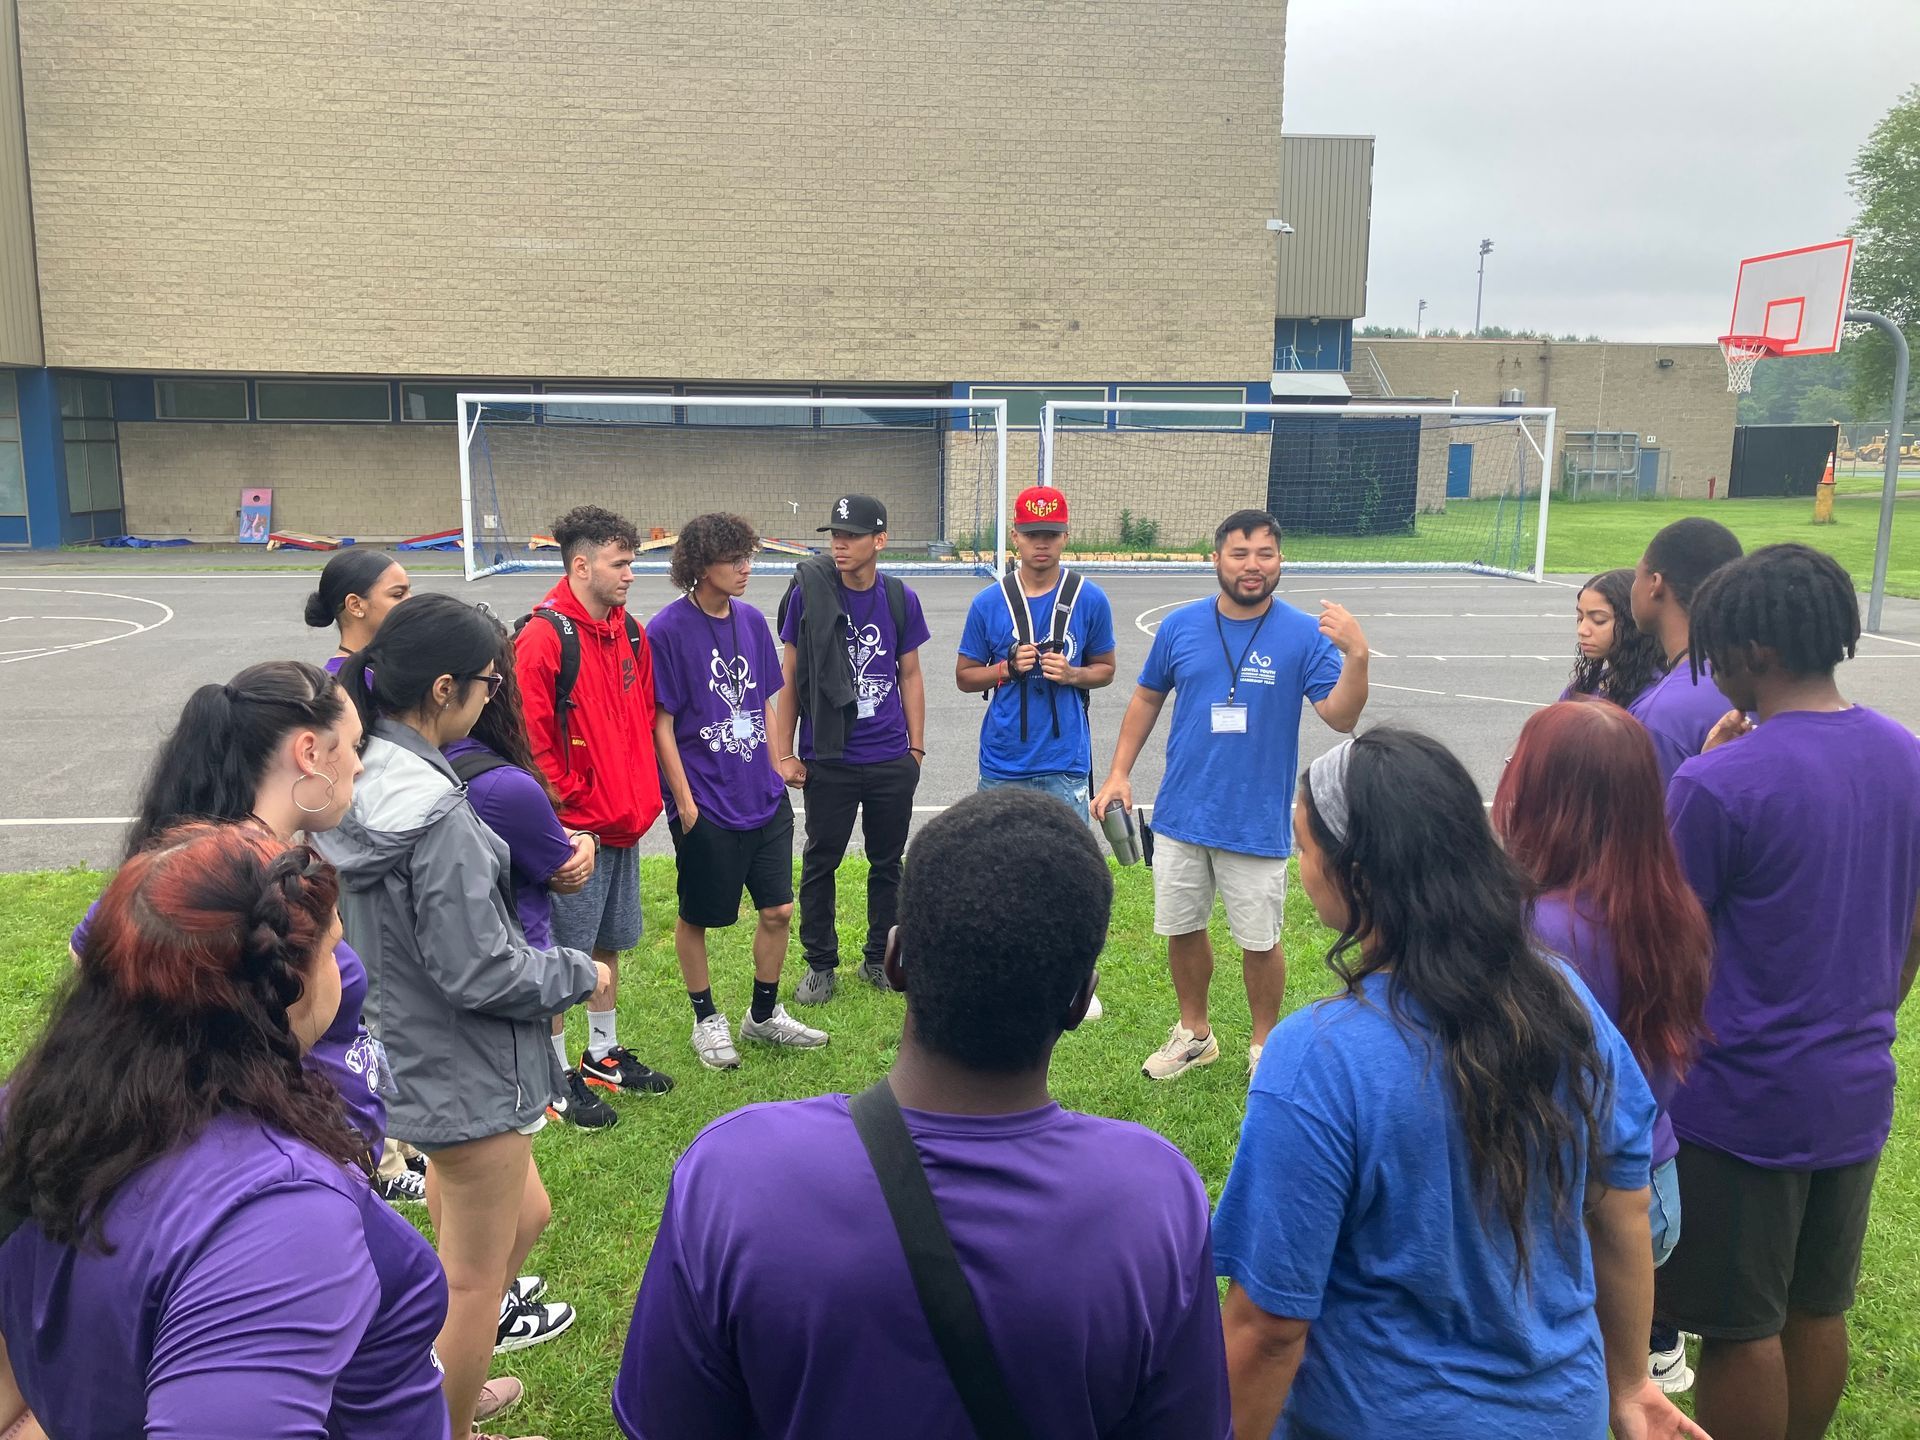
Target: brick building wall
{"x":843,"y":191}
{"x":1684,"y":405}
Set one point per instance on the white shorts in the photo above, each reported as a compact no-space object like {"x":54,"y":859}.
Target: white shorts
{"x":1186,"y":878}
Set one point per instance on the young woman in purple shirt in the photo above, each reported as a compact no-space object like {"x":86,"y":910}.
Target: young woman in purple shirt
{"x":1580,"y":808}
{"x":1801,"y":835}
{"x":1618,"y":660}
{"x":198,"y":1252}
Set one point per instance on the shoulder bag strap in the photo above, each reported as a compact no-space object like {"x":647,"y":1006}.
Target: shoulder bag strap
{"x":937,"y":1278}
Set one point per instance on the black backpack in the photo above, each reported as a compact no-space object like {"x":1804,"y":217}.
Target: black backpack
{"x":1022,"y":617}
{"x":569,"y":672}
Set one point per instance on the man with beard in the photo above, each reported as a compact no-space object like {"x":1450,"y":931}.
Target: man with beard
{"x":1242,"y":663}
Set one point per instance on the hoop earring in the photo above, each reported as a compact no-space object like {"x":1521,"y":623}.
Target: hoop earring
{"x":324,"y":805}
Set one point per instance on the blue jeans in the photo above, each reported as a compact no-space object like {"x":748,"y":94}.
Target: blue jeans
{"x":1663,"y":1211}
{"x":1070,"y":788}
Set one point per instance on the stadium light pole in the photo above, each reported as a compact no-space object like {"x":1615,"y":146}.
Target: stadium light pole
{"x":1480,"y":285}
{"x":1891,"y":484}
{"x":1420,"y":322}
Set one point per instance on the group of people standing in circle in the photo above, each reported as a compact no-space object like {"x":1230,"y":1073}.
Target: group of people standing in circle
{"x":1655,"y":980}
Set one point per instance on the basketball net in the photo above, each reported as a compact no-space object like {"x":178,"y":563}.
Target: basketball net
{"x":1743,"y":352}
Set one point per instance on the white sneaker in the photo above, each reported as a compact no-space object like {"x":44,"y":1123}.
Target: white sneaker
{"x":780,"y":1028}
{"x":1670,"y":1370}
{"x":713,"y":1043}
{"x":1095,"y":1009}
{"x":524,"y":1324}
{"x":1181,"y":1053}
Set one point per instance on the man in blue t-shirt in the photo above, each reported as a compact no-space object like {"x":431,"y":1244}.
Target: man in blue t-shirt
{"x":1243,"y":663}
{"x":1035,"y":735}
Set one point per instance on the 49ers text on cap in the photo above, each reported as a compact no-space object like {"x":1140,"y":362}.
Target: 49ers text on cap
{"x":1040,"y":508}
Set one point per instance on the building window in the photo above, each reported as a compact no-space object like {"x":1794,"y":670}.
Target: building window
{"x":92,"y":443}
{"x":200,"y":399}
{"x":337,"y":400}
{"x":801,"y":415}
{"x":13,"y":475}
{"x":439,"y":404}
{"x":1024,"y":403}
{"x":606,"y":414}
{"x":1183,"y":419}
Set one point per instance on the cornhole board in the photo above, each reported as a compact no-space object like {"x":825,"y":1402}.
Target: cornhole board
{"x":256,"y":516}
{"x":300,"y":540}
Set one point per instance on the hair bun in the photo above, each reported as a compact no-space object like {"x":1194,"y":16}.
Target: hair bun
{"x":318,"y":614}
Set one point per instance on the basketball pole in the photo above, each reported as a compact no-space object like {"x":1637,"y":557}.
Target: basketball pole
{"x":1890,"y":486}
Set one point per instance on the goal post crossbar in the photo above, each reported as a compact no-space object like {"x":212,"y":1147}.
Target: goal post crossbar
{"x":1542,"y":446}
{"x":470,"y":408}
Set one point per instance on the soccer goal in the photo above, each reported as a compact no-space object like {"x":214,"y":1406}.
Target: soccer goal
{"x":1355,"y":487}
{"x":939,"y":466}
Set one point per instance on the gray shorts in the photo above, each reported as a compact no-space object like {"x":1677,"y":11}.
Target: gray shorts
{"x":605,"y":915}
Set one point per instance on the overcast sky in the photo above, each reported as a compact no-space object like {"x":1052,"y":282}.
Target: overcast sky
{"x":1597,"y":144}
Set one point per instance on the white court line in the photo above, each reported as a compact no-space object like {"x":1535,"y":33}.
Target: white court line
{"x":1890,"y":639}
{"x":138,"y":629}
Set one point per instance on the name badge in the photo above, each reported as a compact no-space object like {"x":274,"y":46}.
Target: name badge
{"x":1229,"y":719}
{"x":742,"y":725}
{"x":867,"y":707}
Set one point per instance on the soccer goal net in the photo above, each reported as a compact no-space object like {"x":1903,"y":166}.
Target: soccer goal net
{"x":938,"y":465}
{"x":1355,"y":487}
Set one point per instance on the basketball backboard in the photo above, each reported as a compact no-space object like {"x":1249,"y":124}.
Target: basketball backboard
{"x":1794,"y":299}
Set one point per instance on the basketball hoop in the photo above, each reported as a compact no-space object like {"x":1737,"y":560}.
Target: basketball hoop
{"x":1743,"y":352}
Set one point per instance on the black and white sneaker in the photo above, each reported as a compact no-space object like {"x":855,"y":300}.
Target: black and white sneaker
{"x":581,"y":1107}
{"x":524,"y":1323}
{"x":528,"y":1288}
{"x":406,"y":1188}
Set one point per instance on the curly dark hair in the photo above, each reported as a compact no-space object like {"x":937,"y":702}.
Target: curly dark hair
{"x":1635,"y":661}
{"x":200,"y":945}
{"x":586,"y":525}
{"x":1788,"y":598}
{"x":712,"y":539}
{"x":993,"y":960}
{"x":1435,"y":905}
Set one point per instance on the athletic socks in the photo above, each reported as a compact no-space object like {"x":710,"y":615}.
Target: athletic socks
{"x":702,"y":1003}
{"x":766,"y":995}
{"x":600,"y":1033}
{"x":560,"y":1049}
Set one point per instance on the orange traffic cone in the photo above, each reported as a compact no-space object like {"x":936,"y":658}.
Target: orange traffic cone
{"x":1823,"y":496}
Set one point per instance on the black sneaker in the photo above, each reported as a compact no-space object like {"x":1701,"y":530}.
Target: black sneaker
{"x":417,"y":1163}
{"x":875,"y":974}
{"x":524,"y":1323}
{"x":581,"y":1107}
{"x":406,"y":1188}
{"x":619,"y":1070}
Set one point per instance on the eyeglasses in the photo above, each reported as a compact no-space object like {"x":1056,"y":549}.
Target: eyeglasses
{"x":493,"y":683}
{"x":743,"y":564}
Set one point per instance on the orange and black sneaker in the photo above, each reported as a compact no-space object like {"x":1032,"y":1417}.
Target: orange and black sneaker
{"x":618,"y":1069}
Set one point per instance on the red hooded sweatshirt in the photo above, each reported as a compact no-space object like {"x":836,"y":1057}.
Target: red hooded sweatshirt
{"x":605,"y":770}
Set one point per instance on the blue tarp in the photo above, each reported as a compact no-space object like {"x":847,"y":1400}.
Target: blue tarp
{"x":137,"y":542}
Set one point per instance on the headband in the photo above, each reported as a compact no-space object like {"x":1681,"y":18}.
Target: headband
{"x":1327,"y":783}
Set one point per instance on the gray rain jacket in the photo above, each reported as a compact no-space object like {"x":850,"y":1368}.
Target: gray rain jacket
{"x":454,"y":992}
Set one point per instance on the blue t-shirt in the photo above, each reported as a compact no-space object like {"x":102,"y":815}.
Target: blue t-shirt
{"x":988,"y":639}
{"x":1351,"y":1205}
{"x":1235,"y":792}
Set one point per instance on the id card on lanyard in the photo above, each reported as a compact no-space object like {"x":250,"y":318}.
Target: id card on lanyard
{"x":1231,"y":718}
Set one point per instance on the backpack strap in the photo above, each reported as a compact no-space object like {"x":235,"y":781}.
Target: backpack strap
{"x":897,"y":609}
{"x":941,"y":1285}
{"x":1022,"y":619}
{"x":472,"y":764}
{"x":569,"y":672}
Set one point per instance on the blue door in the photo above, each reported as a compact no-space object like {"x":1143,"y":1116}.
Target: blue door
{"x":1460,"y":471}
{"x":1649,"y":473}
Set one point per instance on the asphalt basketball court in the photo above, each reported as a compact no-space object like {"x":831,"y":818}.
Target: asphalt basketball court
{"x":96,"y":662}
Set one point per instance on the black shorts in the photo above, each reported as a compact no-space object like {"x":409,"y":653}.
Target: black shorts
{"x":714,"y":863}
{"x":1757,"y":1243}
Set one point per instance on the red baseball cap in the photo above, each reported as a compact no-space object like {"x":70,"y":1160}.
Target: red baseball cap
{"x":1040,"y":508}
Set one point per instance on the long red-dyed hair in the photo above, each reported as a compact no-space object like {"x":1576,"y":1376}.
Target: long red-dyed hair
{"x":1582,"y":811}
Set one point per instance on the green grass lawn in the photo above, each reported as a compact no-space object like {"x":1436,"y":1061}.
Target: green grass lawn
{"x":608,"y":1187}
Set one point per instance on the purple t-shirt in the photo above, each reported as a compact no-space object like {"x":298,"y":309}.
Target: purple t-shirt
{"x":1103,"y":1315}
{"x":344,"y":1056}
{"x":1679,"y":713}
{"x":715,"y":678}
{"x":515,"y":807}
{"x":1579,"y":938}
{"x":257,"y":1291}
{"x":334,"y":662}
{"x":879,"y":730}
{"x":1802,"y":840}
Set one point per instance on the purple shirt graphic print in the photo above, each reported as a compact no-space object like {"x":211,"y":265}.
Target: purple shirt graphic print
{"x":715,"y":678}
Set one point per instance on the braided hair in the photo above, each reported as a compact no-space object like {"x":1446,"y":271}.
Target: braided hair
{"x":201,"y":946}
{"x":1791,"y":599}
{"x":1636,"y":659}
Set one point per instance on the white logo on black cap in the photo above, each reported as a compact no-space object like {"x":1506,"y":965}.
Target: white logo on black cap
{"x":841,"y":509}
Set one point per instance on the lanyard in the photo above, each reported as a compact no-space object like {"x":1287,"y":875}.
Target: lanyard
{"x":733,"y":630}
{"x":1233,"y":684}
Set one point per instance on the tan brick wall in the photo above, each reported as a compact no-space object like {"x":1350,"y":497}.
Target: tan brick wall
{"x":387,"y":482}
{"x":845,"y":190}
{"x":1594,"y":386}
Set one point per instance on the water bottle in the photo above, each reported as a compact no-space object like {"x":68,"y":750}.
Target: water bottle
{"x":1121,"y":833}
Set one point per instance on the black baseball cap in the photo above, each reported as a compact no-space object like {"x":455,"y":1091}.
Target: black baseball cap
{"x":857,"y":515}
